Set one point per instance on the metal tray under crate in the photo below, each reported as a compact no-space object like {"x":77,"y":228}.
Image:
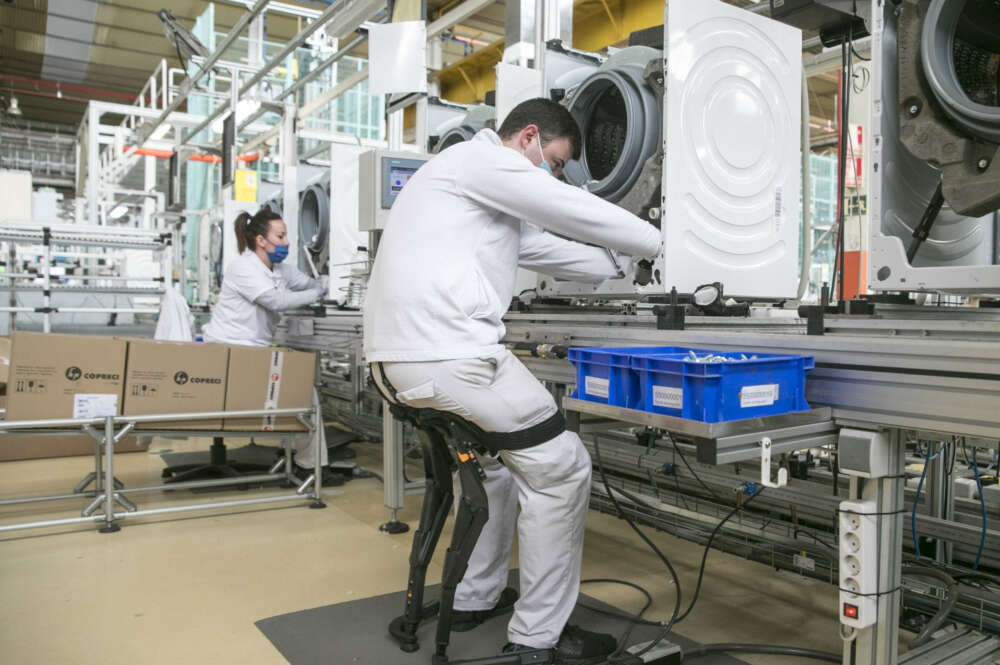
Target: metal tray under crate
{"x":717,"y":443}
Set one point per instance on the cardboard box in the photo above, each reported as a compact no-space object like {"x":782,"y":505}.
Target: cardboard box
{"x":268,"y":378}
{"x":64,"y":376}
{"x":4,"y":362}
{"x":175,"y":377}
{"x":22,"y":446}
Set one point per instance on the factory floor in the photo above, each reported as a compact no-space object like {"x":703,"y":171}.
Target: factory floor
{"x":188,"y":588}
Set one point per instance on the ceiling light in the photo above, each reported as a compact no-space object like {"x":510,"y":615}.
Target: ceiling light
{"x":118,"y":211}
{"x":14,"y":109}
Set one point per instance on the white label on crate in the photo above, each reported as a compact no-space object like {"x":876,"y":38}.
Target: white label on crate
{"x":597,"y":387}
{"x":804,"y":562}
{"x":765,"y":395}
{"x":273,"y":388}
{"x":95,"y":406}
{"x":668,"y":398}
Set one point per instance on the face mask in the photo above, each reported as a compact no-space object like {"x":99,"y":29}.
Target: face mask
{"x":544,"y":165}
{"x":279,"y":254}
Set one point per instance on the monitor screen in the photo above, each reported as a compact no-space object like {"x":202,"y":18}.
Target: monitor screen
{"x":398,"y":177}
{"x":396,"y":172}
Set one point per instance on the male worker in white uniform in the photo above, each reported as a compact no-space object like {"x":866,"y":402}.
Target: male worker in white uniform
{"x":443,"y":277}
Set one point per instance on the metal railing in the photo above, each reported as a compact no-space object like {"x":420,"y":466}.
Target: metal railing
{"x":109,"y":491}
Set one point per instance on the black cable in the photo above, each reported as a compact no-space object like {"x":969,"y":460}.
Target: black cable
{"x":677,"y":482}
{"x":634,"y":618}
{"x":617,"y":656}
{"x":709,"y":649}
{"x":696,"y":477}
{"x":858,"y":55}
{"x":708,"y":546}
{"x":845,"y":106}
{"x":946,"y":607}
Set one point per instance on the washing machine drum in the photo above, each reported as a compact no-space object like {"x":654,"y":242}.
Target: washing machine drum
{"x":453,"y":136}
{"x":620,"y":119}
{"x":314,"y":221}
{"x":274,"y":205}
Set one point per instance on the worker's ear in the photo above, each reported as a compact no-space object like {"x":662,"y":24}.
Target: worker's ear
{"x":528,"y":135}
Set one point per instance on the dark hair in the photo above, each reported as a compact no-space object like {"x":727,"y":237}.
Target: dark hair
{"x":248,"y":228}
{"x":552,"y":119}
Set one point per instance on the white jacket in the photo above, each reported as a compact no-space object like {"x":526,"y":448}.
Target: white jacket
{"x":446,"y":265}
{"x":242,"y":316}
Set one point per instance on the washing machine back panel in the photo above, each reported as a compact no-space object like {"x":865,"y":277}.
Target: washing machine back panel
{"x":731,"y":176}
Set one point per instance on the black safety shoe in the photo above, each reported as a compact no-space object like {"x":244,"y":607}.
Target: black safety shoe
{"x":582,"y":647}
{"x":465,"y":620}
{"x":535,"y":655}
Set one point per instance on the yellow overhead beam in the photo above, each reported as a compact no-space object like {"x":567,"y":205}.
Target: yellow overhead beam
{"x":597,"y":24}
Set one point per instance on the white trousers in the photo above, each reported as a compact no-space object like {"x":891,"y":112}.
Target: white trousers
{"x":550,"y":482}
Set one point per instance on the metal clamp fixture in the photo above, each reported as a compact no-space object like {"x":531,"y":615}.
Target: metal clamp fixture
{"x":765,"y":466}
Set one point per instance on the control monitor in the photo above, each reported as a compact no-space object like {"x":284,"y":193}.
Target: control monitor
{"x":383,"y":174}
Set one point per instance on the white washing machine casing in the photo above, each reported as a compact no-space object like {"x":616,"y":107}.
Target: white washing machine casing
{"x":730,"y":173}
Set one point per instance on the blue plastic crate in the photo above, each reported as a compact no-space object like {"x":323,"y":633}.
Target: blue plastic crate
{"x":769,"y":384}
{"x":606,"y":375}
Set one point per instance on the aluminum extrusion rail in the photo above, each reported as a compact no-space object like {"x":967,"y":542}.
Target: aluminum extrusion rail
{"x":87,"y":290}
{"x":60,"y":238}
{"x":879,"y":379}
{"x":107,"y":491}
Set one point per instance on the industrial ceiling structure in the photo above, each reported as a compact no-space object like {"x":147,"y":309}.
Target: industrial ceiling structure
{"x":56,"y":55}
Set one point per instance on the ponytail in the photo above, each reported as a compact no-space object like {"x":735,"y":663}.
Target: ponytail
{"x":248,"y":228}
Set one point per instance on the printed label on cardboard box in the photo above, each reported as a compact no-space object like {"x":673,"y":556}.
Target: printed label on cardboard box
{"x":94,"y":405}
{"x":273,"y":388}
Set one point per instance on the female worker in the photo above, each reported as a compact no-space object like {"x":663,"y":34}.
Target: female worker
{"x":256,"y":287}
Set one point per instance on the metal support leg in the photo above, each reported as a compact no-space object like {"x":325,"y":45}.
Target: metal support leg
{"x":878,"y":644}
{"x":438,"y":497}
{"x":92,"y":506}
{"x":99,"y":466}
{"x":109,"y":474}
{"x":392,"y":469}
{"x":318,"y":438}
{"x":473,"y":512}
{"x":82,"y":485}
{"x":125,"y":503}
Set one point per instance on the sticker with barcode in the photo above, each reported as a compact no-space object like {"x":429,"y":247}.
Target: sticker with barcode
{"x":765,"y":395}
{"x":668,"y":398}
{"x":596,"y":387}
{"x":273,"y":389}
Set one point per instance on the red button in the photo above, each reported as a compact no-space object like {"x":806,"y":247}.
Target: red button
{"x":850,"y":611}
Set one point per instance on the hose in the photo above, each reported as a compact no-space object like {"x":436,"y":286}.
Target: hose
{"x":946,"y":607}
{"x":709,"y":649}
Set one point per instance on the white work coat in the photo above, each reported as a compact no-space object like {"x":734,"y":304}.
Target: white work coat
{"x":447,"y":262}
{"x":237,"y":318}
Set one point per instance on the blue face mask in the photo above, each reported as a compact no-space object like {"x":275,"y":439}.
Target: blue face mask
{"x":279,"y":254}
{"x":545,"y":166}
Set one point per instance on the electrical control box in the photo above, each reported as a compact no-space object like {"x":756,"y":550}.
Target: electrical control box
{"x":382,"y":176}
{"x":858,"y":563}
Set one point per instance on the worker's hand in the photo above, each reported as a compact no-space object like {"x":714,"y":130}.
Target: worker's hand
{"x":320,"y":291}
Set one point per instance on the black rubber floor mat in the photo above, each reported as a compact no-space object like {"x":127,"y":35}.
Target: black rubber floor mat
{"x":356,"y":632}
